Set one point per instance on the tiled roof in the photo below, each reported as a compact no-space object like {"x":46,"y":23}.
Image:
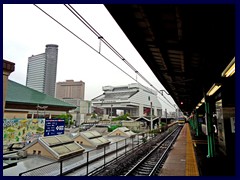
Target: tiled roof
{"x":127,"y":131}
{"x":18,"y":93}
{"x":91,"y":134}
{"x":124,"y":130}
{"x":61,"y":146}
{"x":94,"y":138}
{"x":55,"y":140}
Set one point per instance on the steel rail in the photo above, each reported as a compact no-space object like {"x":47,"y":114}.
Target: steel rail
{"x":144,"y":159}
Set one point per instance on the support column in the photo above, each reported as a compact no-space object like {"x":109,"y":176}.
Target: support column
{"x":140,"y":111}
{"x":104,"y":111}
{"x":196,"y":124}
{"x":210,"y":131}
{"x":155,"y":111}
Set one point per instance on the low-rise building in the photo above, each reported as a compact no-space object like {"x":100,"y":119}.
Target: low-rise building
{"x":122,"y":131}
{"x":24,"y":102}
{"x":54,"y":147}
{"x":91,"y":139}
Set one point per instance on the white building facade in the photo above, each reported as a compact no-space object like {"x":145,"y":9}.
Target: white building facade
{"x":134,"y":99}
{"x":80,"y":113}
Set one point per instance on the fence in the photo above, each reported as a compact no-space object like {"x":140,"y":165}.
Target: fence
{"x":91,"y":160}
{"x":95,"y":159}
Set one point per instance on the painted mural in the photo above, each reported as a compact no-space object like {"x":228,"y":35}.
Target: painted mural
{"x":22,"y":130}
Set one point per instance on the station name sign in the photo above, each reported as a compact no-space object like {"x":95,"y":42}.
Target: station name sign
{"x":54,"y":127}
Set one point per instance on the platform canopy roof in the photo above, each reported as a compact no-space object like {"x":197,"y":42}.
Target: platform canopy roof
{"x":186,"y":46}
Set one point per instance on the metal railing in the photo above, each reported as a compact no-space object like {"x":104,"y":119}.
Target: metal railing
{"x":84,"y":163}
{"x":92,"y":160}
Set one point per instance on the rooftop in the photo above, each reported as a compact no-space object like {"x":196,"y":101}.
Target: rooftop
{"x":59,"y":146}
{"x":20,"y":94}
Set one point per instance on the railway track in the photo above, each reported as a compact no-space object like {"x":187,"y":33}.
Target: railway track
{"x":139,"y":163}
{"x":153,"y":161}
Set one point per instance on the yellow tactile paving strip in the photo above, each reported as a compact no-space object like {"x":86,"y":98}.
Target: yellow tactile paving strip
{"x":191,"y":163}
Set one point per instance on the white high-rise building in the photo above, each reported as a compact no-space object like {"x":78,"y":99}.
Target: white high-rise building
{"x":42,"y":70}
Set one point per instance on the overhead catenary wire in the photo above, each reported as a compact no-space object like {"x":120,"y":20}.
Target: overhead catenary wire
{"x":86,"y":23}
{"x":164,"y":102}
{"x":98,"y":51}
{"x":84,"y":42}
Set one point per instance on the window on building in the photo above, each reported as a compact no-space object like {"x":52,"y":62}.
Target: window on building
{"x":29,"y":116}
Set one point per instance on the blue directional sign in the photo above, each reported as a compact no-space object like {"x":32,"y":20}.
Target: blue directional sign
{"x":54,"y":127}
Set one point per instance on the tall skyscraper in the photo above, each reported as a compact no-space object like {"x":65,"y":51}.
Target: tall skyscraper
{"x":70,"y":90}
{"x":42,"y":70}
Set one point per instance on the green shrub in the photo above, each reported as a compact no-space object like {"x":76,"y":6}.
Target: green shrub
{"x":123,"y":117}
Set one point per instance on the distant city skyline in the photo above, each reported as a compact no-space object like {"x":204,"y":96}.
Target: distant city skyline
{"x":28,"y":29}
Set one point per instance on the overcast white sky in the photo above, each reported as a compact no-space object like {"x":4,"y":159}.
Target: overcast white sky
{"x":27,"y":30}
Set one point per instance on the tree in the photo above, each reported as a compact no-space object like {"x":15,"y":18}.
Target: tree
{"x":66,"y":118}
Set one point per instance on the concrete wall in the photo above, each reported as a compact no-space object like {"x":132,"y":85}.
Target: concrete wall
{"x":117,"y":133}
{"x":80,"y":139}
{"x":15,"y":114}
{"x":38,"y":147}
{"x":134,"y":125}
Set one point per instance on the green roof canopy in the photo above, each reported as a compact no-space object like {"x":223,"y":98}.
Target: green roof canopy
{"x":17,"y":93}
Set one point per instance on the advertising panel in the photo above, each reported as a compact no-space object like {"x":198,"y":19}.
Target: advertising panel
{"x":54,"y":127}
{"x":22,"y":130}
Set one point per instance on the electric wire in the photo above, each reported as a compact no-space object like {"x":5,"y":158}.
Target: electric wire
{"x":85,"y":22}
{"x":87,"y":44}
{"x":84,"y":42}
{"x":105,"y":42}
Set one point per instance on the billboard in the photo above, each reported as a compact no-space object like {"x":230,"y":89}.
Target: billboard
{"x":22,"y":130}
{"x":54,"y":127}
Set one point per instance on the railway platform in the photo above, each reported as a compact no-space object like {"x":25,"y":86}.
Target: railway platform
{"x":188,"y":157}
{"x":181,"y":160}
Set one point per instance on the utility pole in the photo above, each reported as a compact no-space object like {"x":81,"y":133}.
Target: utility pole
{"x":37,"y":110}
{"x":166,"y":116}
{"x":111,"y":115}
{"x":151,"y":117}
